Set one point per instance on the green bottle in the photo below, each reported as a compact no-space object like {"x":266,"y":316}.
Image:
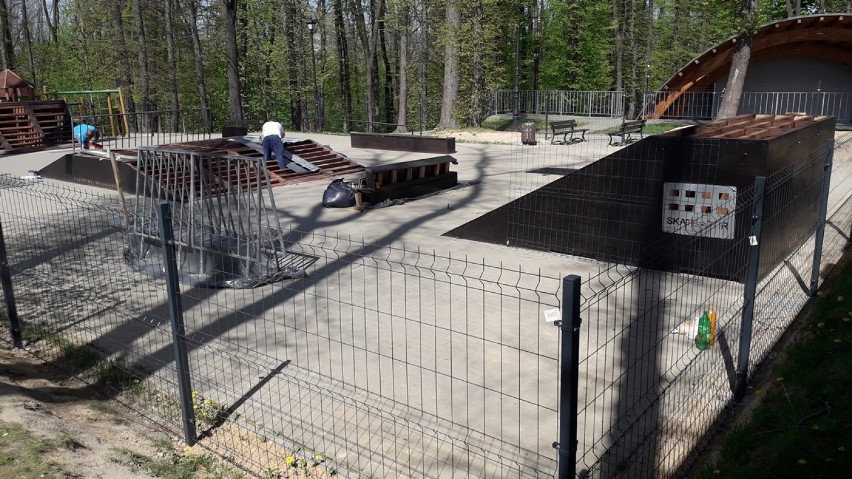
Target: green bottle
{"x":702,"y":339}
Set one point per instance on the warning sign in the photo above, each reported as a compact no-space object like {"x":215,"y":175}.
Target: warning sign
{"x":699,"y":210}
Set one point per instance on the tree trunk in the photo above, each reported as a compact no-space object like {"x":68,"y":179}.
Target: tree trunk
{"x":617,"y":33}
{"x":649,"y":42}
{"x":52,"y":26}
{"x":144,"y":76}
{"x":191,"y":18}
{"x":370,"y":46}
{"x":388,"y":103}
{"x":28,"y":41}
{"x":343,"y":65}
{"x":739,"y":62}
{"x":477,"y":94}
{"x":8,"y":50}
{"x":634,"y":60}
{"x":171,"y":61}
{"x":296,"y":59}
{"x":451,"y":68}
{"x":229,"y":21}
{"x":402,"y":105}
{"x":124,"y":63}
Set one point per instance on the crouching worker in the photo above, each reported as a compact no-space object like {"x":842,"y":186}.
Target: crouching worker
{"x":88,"y":136}
{"x":271,"y":133}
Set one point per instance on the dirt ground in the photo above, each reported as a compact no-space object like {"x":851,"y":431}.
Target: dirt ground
{"x":88,"y":428}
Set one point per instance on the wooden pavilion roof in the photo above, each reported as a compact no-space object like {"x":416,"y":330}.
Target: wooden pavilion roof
{"x":827,"y":37}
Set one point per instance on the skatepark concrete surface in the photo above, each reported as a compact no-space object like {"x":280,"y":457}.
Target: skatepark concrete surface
{"x":484,"y":174}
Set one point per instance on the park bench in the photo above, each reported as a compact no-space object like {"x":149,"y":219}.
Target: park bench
{"x":626,"y":131}
{"x":567,"y":128}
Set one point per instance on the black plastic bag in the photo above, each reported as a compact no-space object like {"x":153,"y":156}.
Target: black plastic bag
{"x":339,"y":195}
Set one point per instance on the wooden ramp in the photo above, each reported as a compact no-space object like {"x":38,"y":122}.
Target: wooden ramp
{"x":89,"y":168}
{"x":33,"y":125}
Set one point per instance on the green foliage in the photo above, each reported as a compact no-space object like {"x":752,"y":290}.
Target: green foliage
{"x":800,"y":429}
{"x":22,"y":454}
{"x":577,"y":42}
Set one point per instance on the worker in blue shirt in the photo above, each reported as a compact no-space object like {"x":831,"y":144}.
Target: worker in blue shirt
{"x":87,"y":135}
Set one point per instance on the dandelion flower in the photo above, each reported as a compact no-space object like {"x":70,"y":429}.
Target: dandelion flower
{"x":194,"y":393}
{"x":802,"y":461}
{"x":208,"y":401}
{"x":186,"y":448}
{"x":840,"y":298}
{"x":289,"y":460}
{"x":821,"y":294}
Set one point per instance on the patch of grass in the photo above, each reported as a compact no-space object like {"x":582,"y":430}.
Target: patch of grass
{"x":174,"y":465}
{"x":22,"y":454}
{"x":802,"y":426}
{"x":506,"y":124}
{"x":107,"y":409}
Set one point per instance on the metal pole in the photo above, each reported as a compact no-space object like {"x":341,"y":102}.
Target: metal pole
{"x":569,"y":371}
{"x":823,"y":211}
{"x":164,"y":210}
{"x":318,"y":125}
{"x":750,"y":288}
{"x":11,"y":308}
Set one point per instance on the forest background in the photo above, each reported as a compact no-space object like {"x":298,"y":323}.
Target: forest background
{"x":363,"y":65}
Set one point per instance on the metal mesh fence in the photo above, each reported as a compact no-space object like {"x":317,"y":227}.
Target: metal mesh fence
{"x":647,"y":396}
{"x":385,"y":360}
{"x":392,"y":361}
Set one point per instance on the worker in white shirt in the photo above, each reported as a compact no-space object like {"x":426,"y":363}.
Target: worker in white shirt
{"x":271,"y":134}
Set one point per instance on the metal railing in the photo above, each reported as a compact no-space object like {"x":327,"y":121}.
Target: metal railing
{"x":703,"y":105}
{"x":132,"y":130}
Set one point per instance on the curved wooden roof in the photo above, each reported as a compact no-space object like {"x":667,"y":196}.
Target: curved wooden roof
{"x":827,"y":37}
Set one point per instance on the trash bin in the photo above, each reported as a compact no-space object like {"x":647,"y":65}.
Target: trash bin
{"x":528,"y":134}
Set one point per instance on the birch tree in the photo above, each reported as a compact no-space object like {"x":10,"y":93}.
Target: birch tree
{"x":740,"y":60}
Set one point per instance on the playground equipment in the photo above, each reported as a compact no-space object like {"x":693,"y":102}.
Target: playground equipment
{"x":95,"y":103}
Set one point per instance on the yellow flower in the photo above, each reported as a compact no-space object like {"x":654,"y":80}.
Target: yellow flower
{"x":716,"y":472}
{"x":802,"y":461}
{"x":319,"y":458}
{"x":289,"y":460}
{"x":821,"y":324}
{"x":779,"y":378}
{"x":840,"y":298}
{"x":208,"y":401}
{"x":186,"y":448}
{"x":821,"y":294}
{"x":194,"y":393}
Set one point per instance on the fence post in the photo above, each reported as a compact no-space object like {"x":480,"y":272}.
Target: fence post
{"x":11,"y":308}
{"x":164,"y":211}
{"x":823,"y":211}
{"x":569,"y":368}
{"x":750,"y":288}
